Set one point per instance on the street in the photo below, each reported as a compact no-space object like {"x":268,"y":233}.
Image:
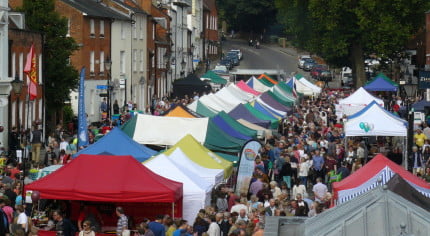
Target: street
{"x":270,"y":56}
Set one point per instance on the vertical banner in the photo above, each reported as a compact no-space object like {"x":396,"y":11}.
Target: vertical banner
{"x":82,"y":116}
{"x":424,"y":79}
{"x":246,"y":165}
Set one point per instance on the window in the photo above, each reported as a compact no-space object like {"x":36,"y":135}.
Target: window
{"x":92,"y":62}
{"x":122,"y":62}
{"x":216,"y":22}
{"x":134,"y":30}
{"x":102,"y":28}
{"x":122,"y":30}
{"x":207,"y":21}
{"x":153,"y":31}
{"x":13,"y":64}
{"x":134,"y":60}
{"x":68,"y":27}
{"x":91,"y":27}
{"x":141,"y":61}
{"x":102,"y":64}
{"x":21,"y":66}
{"x":141,"y":27}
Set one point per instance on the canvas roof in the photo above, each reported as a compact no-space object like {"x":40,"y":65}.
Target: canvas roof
{"x":213,"y":176}
{"x":240,"y":94}
{"x":265,"y":110}
{"x":267,"y":132}
{"x":301,"y":87}
{"x":266,"y":77}
{"x":240,"y":112}
{"x":196,"y":191}
{"x":237,"y":126}
{"x":257,"y":85}
{"x":229,"y":129}
{"x":306,"y":82}
{"x":201,"y":155}
{"x":274,"y":122}
{"x":381,"y":83}
{"x":383,"y":123}
{"x":181,"y":111}
{"x":201,"y":109}
{"x":118,"y":143}
{"x":219,"y":140}
{"x":357,"y":101}
{"x":162,"y":130}
{"x":378,"y":169}
{"x":213,"y":78}
{"x":85,"y":178}
{"x":244,"y":87}
{"x":420,"y":106}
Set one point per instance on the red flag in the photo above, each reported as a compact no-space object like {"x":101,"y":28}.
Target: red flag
{"x":30,"y":71}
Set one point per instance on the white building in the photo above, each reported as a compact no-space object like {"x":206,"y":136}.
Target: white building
{"x":4,"y":80}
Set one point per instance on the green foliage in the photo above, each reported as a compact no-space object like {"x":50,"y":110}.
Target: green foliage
{"x":60,"y":77}
{"x":68,"y":114}
{"x":338,"y":29}
{"x":247,"y":15}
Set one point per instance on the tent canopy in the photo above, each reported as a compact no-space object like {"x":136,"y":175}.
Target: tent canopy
{"x":201,"y":109}
{"x":420,"y":106}
{"x":213,"y":78}
{"x":196,"y":190}
{"x":381,"y":83}
{"x":239,"y":93}
{"x":181,"y":111}
{"x":201,"y":155}
{"x":237,"y":126}
{"x":357,"y":101}
{"x":219,"y":140}
{"x":380,"y":122}
{"x":267,"y":80}
{"x":128,"y":181}
{"x":244,"y":87}
{"x":368,"y":176}
{"x":400,"y":186}
{"x":162,"y":130}
{"x":189,"y":85}
{"x":118,"y":143}
{"x":240,"y":112}
{"x":306,"y":82}
{"x":274,"y":122}
{"x":257,"y":85}
{"x":227,"y":128}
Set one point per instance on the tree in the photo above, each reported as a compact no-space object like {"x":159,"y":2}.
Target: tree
{"x":248,"y":15}
{"x":343,"y":32}
{"x":60,"y":77}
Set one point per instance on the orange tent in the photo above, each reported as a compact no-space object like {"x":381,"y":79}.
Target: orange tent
{"x":267,"y":78}
{"x":179,"y":111}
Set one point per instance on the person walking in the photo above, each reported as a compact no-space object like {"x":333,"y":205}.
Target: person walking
{"x":122,"y":223}
{"x":36,"y":143}
{"x":4,"y":223}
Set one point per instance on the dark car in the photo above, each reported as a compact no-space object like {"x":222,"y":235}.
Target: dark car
{"x":234,"y":57}
{"x":316,"y":71}
{"x":326,"y":76}
{"x":309,"y":64}
{"x":226,"y":62}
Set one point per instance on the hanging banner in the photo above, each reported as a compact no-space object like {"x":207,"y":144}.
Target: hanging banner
{"x":246,"y":166}
{"x":82,"y":115}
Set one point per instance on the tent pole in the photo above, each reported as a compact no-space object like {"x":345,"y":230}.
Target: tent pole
{"x":173,"y":210}
{"x":405,"y":153}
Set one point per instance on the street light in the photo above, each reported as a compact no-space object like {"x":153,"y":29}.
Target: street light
{"x":108,"y":65}
{"x":17,"y":89}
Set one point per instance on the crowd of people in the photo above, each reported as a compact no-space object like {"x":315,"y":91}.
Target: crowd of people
{"x":293,"y":172}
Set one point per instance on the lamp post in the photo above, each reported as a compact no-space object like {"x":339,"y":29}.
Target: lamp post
{"x":183,"y":64}
{"x":108,"y":64}
{"x":17,"y":89}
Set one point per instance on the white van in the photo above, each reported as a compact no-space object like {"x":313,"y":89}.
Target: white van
{"x":302,"y":59}
{"x":346,"y":76}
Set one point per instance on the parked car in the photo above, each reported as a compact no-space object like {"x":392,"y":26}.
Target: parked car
{"x":309,"y":64}
{"x":238,"y":52}
{"x":234,"y":58}
{"x":227,"y":62}
{"x":316,"y":71}
{"x":302,"y":60}
{"x":221,"y":69}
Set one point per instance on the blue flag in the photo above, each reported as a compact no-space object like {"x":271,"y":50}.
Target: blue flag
{"x":82,"y":115}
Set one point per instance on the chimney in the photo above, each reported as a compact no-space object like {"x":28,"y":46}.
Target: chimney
{"x":146,"y":5}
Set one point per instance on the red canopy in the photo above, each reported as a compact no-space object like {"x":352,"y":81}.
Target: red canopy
{"x":108,"y":179}
{"x":376,"y":172}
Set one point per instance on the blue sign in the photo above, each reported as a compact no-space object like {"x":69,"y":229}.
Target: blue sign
{"x":82,"y":115}
{"x":424,"y":79}
{"x":196,"y":60}
{"x":102,"y":86}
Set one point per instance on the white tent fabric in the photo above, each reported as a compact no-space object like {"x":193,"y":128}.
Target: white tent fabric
{"x":257,"y":85}
{"x":357,"y":101}
{"x":277,"y":89}
{"x":380,"y":121}
{"x":228,"y":98}
{"x":197,"y":192}
{"x":302,"y":88}
{"x":239,"y":93}
{"x":162,"y":130}
{"x":306,"y":82}
{"x":208,"y":101}
{"x":193,"y":105}
{"x":266,"y":132}
{"x":212,"y":176}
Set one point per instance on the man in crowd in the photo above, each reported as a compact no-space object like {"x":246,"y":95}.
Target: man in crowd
{"x":319,"y":190}
{"x":157,"y":227}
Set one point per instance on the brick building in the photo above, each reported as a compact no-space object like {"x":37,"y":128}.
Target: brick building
{"x":22,"y":112}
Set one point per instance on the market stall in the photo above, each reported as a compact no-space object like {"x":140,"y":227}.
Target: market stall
{"x":112,"y":181}
{"x":375,"y":173}
{"x":356,"y":101}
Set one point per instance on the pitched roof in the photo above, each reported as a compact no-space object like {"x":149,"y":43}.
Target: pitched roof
{"x":94,"y":8}
{"x":128,"y":5}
